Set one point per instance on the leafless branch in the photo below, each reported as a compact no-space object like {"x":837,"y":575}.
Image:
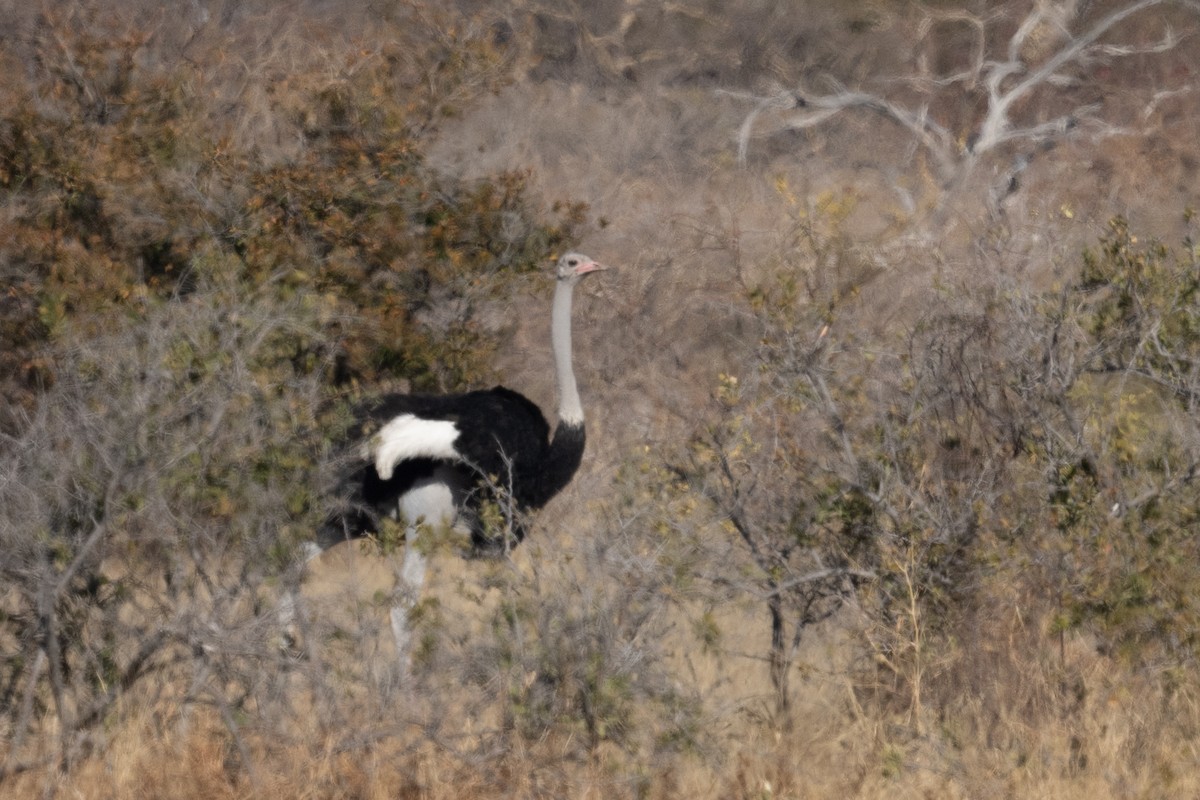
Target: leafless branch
{"x":996,"y":127}
{"x":818,"y":575}
{"x":1006,"y":82}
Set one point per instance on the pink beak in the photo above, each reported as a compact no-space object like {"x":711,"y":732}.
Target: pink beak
{"x":589,"y":266}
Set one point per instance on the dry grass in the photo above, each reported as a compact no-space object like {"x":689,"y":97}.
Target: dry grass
{"x":1009,"y":708}
{"x":1008,"y":713}
{"x":1107,"y":735}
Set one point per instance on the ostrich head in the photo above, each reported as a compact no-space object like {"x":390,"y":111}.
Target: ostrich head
{"x":572,"y":266}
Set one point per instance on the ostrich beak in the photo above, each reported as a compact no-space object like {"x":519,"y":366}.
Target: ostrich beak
{"x":589,"y":266}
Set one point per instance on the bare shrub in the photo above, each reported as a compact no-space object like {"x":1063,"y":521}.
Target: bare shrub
{"x":558,"y":652}
{"x":151,"y":498}
{"x":1013,"y":81}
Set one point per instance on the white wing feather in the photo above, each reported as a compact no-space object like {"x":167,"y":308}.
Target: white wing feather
{"x":407,"y":437}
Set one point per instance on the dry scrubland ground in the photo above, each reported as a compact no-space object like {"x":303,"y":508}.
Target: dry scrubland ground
{"x":625,"y":649}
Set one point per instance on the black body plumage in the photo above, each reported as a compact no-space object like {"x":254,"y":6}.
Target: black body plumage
{"x":503,"y":438}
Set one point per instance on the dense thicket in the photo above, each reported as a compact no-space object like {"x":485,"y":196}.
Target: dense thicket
{"x":185,"y":303}
{"x":129,"y":180}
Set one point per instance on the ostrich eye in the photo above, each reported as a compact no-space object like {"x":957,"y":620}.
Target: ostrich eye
{"x":573,"y":262}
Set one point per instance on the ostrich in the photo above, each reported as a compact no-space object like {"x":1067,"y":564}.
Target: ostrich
{"x":430,"y":460}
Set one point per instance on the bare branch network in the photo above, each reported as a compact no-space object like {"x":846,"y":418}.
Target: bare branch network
{"x":1042,"y":52}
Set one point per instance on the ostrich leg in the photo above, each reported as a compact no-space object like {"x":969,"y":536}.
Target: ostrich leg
{"x":429,"y":505}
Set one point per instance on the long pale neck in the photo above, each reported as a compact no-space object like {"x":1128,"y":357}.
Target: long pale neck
{"x":570,"y":410}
